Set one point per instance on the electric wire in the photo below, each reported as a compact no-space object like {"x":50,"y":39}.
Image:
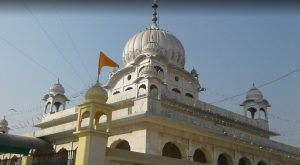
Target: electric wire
{"x":34,"y":61}
{"x":259,"y":86}
{"x":234,"y":103}
{"x":72,"y":42}
{"x":54,"y":44}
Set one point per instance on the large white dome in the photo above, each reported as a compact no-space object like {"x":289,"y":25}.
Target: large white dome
{"x":170,"y":46}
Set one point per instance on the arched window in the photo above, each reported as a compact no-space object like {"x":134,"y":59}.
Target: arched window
{"x":123,"y":145}
{"x":143,"y":86}
{"x":129,"y":77}
{"x":199,"y":156}
{"x":261,"y":163}
{"x":129,"y":88}
{"x":262,"y":113}
{"x":224,"y":159}
{"x":171,"y":150}
{"x":252,"y":111}
{"x":158,"y":69}
{"x":142,"y":90}
{"x":189,"y":95}
{"x":244,"y":161}
{"x":176,"y":78}
{"x":100,"y":118}
{"x":57,"y":105}
{"x":116,"y":92}
{"x":85,"y":115}
{"x":176,"y":90}
{"x":141,"y":68}
{"x":153,"y":91}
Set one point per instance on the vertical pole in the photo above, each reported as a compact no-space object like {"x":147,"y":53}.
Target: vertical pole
{"x":26,"y":160}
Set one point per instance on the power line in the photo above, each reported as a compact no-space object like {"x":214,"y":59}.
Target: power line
{"x":54,"y":44}
{"x":260,"y":86}
{"x":283,"y":119}
{"x":32,"y":118}
{"x":72,"y":42}
{"x":33,"y":60}
{"x":279,"y":78}
{"x":218,"y":95}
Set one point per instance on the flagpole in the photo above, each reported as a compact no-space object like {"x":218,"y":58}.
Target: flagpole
{"x":98,"y":78}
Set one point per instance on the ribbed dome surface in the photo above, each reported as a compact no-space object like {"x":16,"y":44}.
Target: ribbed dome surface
{"x":96,"y":93}
{"x":254,"y":94}
{"x":57,"y":88}
{"x":169,"y":45}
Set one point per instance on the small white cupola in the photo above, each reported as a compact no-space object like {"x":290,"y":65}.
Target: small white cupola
{"x":4,"y":126}
{"x":55,"y":98}
{"x":256,"y":104}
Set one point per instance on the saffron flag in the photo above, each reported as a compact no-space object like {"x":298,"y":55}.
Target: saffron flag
{"x":105,"y":61}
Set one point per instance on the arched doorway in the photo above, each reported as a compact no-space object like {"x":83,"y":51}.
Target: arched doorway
{"x":244,"y":161}
{"x":171,"y":150}
{"x":61,"y":157}
{"x":123,"y":145}
{"x":262,"y":114}
{"x":199,"y":156}
{"x":224,"y":159}
{"x":261,"y":163}
{"x":252,"y":112}
{"x":142,"y":90}
{"x":153,"y":91}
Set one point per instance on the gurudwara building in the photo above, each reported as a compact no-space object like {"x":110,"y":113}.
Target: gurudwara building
{"x":149,"y":113}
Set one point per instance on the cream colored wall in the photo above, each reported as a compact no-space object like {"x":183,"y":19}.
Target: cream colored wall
{"x":121,"y":157}
{"x":188,"y":141}
{"x":136,"y":140}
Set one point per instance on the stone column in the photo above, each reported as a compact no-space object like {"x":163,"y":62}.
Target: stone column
{"x":92,"y":140}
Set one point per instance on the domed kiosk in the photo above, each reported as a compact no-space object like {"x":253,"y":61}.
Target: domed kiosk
{"x":56,"y":97}
{"x":256,"y":104}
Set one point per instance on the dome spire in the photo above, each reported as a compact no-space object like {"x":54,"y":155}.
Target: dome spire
{"x":154,"y":15}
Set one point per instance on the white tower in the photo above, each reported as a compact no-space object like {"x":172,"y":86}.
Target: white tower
{"x":154,"y":62}
{"x":4,"y":126}
{"x":256,"y":104}
{"x":56,"y":98}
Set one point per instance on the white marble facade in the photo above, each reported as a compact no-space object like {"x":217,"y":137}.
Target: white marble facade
{"x":157,"y":105}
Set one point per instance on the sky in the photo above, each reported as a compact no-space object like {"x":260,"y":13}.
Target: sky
{"x":231,"y":47}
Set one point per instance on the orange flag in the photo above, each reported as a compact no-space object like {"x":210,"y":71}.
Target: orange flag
{"x":105,"y":61}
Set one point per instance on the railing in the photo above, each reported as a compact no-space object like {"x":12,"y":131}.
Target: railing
{"x":261,"y":143}
{"x":205,"y":107}
{"x":122,"y":96}
{"x":151,"y":71}
{"x":59,"y":158}
{"x":11,"y":161}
